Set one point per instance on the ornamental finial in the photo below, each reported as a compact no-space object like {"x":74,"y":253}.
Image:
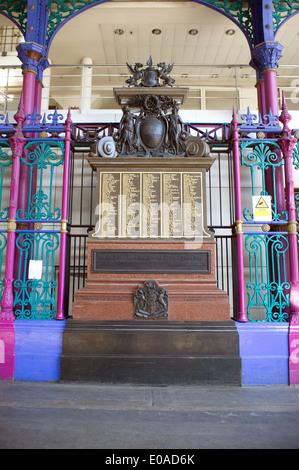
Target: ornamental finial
{"x":285,"y":117}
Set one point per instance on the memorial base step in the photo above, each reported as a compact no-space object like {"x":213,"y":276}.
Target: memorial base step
{"x":149,"y":352}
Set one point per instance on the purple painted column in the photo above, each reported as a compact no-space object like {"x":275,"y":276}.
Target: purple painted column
{"x":17,"y":143}
{"x":63,"y":232}
{"x":241,"y":317}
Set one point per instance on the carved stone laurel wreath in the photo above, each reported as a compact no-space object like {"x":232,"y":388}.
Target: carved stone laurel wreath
{"x":151,"y":301}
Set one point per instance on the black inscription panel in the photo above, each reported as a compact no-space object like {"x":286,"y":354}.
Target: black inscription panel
{"x":151,"y":261}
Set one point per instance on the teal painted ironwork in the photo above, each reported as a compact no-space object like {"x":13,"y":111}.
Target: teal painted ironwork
{"x":43,"y":160}
{"x":2,"y":251}
{"x":239,"y":10}
{"x":282,"y":10}
{"x":268,"y":289}
{"x":296,"y":167}
{"x":296,"y":156}
{"x":34,"y":296}
{"x":262,"y":160}
{"x":297,"y":209}
{"x":5,"y":162}
{"x":17,"y":10}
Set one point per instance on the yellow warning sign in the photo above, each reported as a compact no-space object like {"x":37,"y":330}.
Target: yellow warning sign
{"x":262,"y":204}
{"x":262,"y":208}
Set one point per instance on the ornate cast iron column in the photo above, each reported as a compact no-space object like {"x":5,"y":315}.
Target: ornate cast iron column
{"x":287,"y":143}
{"x":63,"y":231}
{"x":241,"y":315}
{"x":265,"y":58}
{"x":17,"y":143}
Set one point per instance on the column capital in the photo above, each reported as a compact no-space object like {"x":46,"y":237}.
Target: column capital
{"x":33,"y":57}
{"x":266,"y":55}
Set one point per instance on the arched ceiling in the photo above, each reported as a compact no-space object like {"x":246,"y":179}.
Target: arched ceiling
{"x":92,"y":34}
{"x":198,"y":58}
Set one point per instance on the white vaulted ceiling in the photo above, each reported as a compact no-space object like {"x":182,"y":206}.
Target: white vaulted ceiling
{"x":92,"y":34}
{"x":197,"y":58}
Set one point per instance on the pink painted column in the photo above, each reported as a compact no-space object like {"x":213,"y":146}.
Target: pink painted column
{"x":287,"y":143}
{"x":265,"y":59}
{"x":7,"y":350}
{"x":63,"y":233}
{"x":294,"y":353}
{"x":17,"y":143}
{"x":241,"y":316}
{"x":271,"y":100}
{"x":260,"y":87}
{"x":37,"y":106}
{"x":38,"y":95}
{"x":28,"y":95}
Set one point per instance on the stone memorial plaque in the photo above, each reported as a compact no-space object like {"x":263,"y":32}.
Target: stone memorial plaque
{"x":151,"y":200}
{"x":130,"y":214}
{"x":151,"y":204}
{"x":109,"y":196}
{"x":151,"y":261}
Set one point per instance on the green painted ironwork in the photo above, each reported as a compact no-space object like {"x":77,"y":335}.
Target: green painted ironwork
{"x":60,"y":10}
{"x":296,"y":156}
{"x":34,"y":299}
{"x":5,"y":162}
{"x":261,"y":158}
{"x":17,"y":10}
{"x":239,"y":10}
{"x":282,"y":9}
{"x":42,"y":159}
{"x":268,"y":289}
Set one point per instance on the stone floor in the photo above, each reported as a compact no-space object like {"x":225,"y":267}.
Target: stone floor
{"x":39,"y":415}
